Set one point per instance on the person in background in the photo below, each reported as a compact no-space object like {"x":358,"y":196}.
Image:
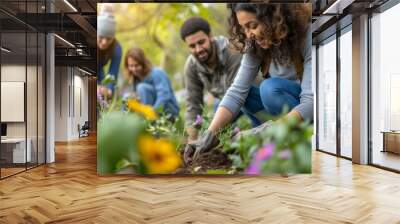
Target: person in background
{"x":109,"y":51}
{"x":276,"y":39}
{"x":150,"y":84}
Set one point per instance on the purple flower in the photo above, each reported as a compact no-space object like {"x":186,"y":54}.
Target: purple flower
{"x":199,"y":121}
{"x":285,"y":154}
{"x":261,"y":156}
{"x":253,"y":169}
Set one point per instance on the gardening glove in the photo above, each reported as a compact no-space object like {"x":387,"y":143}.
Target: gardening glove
{"x":207,"y":141}
{"x":188,"y":152}
{"x":254,"y":131}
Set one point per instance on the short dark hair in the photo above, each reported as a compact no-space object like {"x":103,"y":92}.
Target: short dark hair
{"x":193,"y":25}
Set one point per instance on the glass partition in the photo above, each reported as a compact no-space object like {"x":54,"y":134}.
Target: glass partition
{"x":22,"y":87}
{"x":15,"y":151}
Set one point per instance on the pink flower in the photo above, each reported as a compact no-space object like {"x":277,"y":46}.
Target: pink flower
{"x":265,"y":152}
{"x":253,"y":169}
{"x":261,"y":156}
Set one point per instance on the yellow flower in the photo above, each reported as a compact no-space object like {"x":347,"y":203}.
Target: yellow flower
{"x":145,"y":110}
{"x":159,"y":155}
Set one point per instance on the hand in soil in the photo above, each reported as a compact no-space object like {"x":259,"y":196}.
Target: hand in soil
{"x":188,"y":152}
{"x":205,"y":143}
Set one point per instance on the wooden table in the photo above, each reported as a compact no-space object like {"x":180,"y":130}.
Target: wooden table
{"x":391,"y":141}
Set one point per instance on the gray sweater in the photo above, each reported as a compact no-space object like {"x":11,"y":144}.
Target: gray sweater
{"x":250,"y":66}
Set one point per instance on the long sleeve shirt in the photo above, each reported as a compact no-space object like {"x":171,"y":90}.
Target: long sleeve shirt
{"x":114,"y":66}
{"x":250,"y":65}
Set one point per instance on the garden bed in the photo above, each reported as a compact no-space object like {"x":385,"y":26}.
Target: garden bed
{"x":210,"y":162}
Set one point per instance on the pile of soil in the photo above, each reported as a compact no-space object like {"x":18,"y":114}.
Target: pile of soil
{"x":212,"y":160}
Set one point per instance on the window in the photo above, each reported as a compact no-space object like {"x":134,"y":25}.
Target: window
{"x":385,"y":87}
{"x":327,"y":95}
{"x":346,"y":92}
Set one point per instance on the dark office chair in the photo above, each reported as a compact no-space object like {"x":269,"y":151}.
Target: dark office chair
{"x":84,"y":130}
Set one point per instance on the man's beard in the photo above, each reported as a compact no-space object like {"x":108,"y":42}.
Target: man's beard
{"x":207,"y":55}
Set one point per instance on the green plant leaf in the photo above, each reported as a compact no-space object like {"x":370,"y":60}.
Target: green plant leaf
{"x":218,"y":171}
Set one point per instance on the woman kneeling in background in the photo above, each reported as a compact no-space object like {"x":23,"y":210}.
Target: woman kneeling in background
{"x":150,"y":84}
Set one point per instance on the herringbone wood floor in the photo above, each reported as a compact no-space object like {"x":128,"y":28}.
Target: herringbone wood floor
{"x":70,"y":191}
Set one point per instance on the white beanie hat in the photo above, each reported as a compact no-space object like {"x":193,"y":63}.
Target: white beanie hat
{"x":106,"y":25}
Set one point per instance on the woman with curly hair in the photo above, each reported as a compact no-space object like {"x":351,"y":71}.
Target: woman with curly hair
{"x":276,"y":39}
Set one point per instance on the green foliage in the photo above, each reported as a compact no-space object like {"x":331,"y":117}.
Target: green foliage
{"x":108,"y":79}
{"x":242,"y":150}
{"x":155,"y":28}
{"x":243,"y":123}
{"x":117,"y":139}
{"x":289,"y":134}
{"x":224,"y":135}
{"x":168,"y":128}
{"x":218,"y":171}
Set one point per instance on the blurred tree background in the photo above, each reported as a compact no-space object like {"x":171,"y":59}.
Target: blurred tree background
{"x":155,"y":27}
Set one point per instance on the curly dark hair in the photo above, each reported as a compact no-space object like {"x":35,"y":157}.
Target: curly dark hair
{"x":284,"y":27}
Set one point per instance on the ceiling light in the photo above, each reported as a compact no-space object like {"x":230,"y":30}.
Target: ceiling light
{"x":84,"y":71}
{"x":70,"y":5}
{"x":65,"y":41}
{"x":5,"y":50}
{"x":337,"y":7}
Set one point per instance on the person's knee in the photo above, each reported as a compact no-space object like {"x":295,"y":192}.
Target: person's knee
{"x":146,"y":93}
{"x":269,"y":89}
{"x":271,"y":94}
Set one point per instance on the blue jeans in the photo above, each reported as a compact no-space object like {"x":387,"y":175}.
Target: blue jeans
{"x":241,"y":112}
{"x":148,"y":95}
{"x":271,"y":98}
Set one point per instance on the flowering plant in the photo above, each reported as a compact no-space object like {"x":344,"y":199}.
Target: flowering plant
{"x":284,"y":147}
{"x":124,"y":142}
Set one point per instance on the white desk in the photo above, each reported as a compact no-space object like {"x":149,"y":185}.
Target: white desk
{"x":19,"y":149}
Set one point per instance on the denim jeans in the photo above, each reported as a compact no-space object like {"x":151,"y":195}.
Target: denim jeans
{"x":270,"y":98}
{"x":241,"y":112}
{"x":148,"y":95}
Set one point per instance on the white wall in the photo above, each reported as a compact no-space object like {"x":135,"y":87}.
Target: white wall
{"x":61,"y":103}
{"x":71,"y":102}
